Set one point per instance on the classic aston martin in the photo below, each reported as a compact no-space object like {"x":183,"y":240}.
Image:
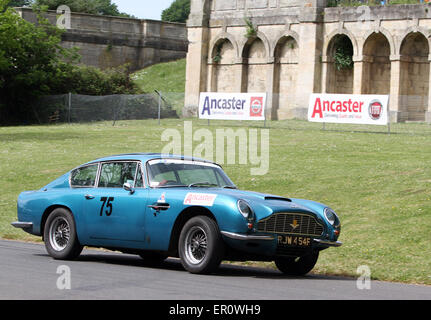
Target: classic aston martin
{"x":160,"y":206}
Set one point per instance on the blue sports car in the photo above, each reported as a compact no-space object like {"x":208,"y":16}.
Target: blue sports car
{"x":157,"y":206}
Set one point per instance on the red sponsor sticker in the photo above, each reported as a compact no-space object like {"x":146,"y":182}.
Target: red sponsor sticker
{"x":200,"y":199}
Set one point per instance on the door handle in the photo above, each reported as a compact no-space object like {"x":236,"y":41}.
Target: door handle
{"x":160,"y":206}
{"x":89,"y":197}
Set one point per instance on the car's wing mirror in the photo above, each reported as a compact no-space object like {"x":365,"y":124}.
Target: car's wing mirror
{"x":128,"y":187}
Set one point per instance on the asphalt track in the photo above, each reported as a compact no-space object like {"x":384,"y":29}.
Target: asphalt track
{"x":28,"y":273}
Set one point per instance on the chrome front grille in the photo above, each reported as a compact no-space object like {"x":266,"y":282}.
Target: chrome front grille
{"x":291,"y":223}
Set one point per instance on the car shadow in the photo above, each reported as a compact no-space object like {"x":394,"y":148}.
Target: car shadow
{"x":174,"y":264}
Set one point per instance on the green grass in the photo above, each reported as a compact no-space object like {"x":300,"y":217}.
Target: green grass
{"x":168,"y":78}
{"x":379,"y":184}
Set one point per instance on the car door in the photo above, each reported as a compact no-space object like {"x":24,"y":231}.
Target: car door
{"x":162,"y":211}
{"x":116,"y":216}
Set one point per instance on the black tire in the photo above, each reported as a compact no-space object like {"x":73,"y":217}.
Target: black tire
{"x":200,"y":247}
{"x":297,"y":266}
{"x":60,"y":237}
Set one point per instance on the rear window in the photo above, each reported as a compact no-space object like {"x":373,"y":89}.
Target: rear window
{"x":84,"y":176}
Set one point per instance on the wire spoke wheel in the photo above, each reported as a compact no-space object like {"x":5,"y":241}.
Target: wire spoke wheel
{"x":200,"y":246}
{"x":59,"y":233}
{"x":60,"y":236}
{"x":196,"y":245}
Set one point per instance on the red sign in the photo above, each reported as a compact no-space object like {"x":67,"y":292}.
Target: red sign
{"x":256,"y":106}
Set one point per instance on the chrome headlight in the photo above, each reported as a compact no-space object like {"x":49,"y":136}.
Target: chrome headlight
{"x":331,"y":216}
{"x":245,"y":209}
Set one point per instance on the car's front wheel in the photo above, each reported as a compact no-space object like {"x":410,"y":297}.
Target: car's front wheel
{"x":60,"y":237}
{"x":200,"y":246}
{"x":297,"y":266}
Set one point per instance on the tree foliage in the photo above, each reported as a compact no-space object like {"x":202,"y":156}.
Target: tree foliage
{"x":178,"y":11}
{"x":94,"y":81}
{"x":343,"y":55}
{"x":33,"y":63}
{"x":19,"y":3}
{"x":30,"y":59}
{"x":101,"y":7}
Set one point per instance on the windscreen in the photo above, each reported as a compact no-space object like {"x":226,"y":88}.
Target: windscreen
{"x":175,"y":173}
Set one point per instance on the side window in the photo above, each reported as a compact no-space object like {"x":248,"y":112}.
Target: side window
{"x":115,"y":174}
{"x":84,"y":177}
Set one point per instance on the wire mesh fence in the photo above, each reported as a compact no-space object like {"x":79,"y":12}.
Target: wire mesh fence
{"x":76,"y":108}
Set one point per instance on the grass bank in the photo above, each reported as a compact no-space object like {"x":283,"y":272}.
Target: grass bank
{"x":168,"y":78}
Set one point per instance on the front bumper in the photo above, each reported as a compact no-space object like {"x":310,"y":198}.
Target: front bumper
{"x":22,"y":225}
{"x":328,"y":243}
{"x":272,"y":238}
{"x":247,"y":237}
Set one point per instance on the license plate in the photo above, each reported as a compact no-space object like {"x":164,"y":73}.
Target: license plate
{"x":293,"y":241}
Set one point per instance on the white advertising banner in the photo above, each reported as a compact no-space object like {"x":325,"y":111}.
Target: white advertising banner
{"x":232,"y":106}
{"x":346,"y":108}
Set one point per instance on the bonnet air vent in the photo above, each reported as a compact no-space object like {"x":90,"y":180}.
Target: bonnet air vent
{"x":277,"y":198}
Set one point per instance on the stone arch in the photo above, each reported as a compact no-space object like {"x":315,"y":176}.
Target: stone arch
{"x":286,"y":59}
{"x":416,"y":29}
{"x":255,"y":59}
{"x":249,"y":41}
{"x":283,"y":35}
{"x":414,"y":76}
{"x":339,"y":78}
{"x":224,"y":56}
{"x":376,"y":53}
{"x":386,"y":34}
{"x":329,"y":38}
{"x":223,"y":37}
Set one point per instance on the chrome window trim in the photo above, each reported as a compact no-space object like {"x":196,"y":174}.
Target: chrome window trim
{"x":99,"y":171}
{"x":144,"y":185}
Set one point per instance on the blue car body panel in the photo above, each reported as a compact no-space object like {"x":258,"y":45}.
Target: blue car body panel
{"x":116,"y":218}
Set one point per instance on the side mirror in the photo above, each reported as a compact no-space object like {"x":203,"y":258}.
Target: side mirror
{"x":128,"y":187}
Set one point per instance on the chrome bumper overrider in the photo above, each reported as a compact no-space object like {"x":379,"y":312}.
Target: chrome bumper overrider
{"x":329,"y":243}
{"x":22,"y":225}
{"x":245,"y":237}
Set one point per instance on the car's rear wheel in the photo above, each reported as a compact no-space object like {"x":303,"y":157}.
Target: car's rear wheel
{"x":200,"y":247}
{"x":299,"y":266}
{"x":60,"y":237}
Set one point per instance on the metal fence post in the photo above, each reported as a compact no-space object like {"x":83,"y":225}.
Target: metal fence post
{"x":160,"y":105}
{"x":70,"y":106}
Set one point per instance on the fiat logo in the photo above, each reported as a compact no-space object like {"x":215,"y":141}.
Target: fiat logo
{"x":375,"y":110}
{"x":256,"y":107}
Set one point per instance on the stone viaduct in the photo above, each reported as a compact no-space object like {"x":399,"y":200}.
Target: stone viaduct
{"x":106,"y":41}
{"x":290,"y":53}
